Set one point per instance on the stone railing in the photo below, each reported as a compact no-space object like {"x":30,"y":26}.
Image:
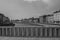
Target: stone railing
{"x":30,"y":31}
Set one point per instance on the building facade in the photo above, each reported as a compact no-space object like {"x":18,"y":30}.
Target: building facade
{"x":41,"y":19}
{"x":4,"y":19}
{"x":36,"y":20}
{"x":46,"y":19}
{"x":57,"y":18}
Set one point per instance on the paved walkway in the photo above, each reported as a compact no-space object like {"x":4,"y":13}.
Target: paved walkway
{"x":19,"y":38}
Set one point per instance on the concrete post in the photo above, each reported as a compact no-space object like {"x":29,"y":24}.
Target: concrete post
{"x":14,"y":31}
{"x":27,"y":32}
{"x":55,"y":32}
{"x":50,"y":32}
{"x":58,"y":32}
{"x":41,"y":32}
{"x":45,"y":32}
{"x":31,"y":31}
{"x":36,"y":30}
{"x":2,"y":31}
{"x":18,"y":31}
{"x":6,"y":31}
{"x":10,"y":31}
{"x":22,"y":31}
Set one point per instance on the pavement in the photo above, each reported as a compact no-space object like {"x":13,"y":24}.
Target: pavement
{"x":19,"y":38}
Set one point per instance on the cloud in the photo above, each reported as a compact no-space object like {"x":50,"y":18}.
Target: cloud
{"x":46,"y":1}
{"x":31,"y":0}
{"x":49,"y":2}
{"x":54,"y":5}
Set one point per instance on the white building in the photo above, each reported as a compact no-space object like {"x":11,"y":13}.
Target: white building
{"x":57,"y":17}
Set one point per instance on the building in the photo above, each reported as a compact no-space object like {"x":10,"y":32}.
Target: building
{"x":31,"y":20}
{"x":36,"y":20}
{"x":50,"y":18}
{"x":57,"y":17}
{"x":41,"y":19}
{"x":46,"y":19}
{"x":4,"y":19}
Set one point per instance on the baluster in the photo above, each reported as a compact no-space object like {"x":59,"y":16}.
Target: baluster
{"x":27,"y":32}
{"x":10,"y":31}
{"x":36,"y":30}
{"x":31,"y":31}
{"x":2,"y":31}
{"x":18,"y":31}
{"x":58,"y":32}
{"x":14,"y":31}
{"x":22,"y":31}
{"x":6,"y":31}
{"x":50,"y":32}
{"x":41,"y":30}
{"x":46,"y":32}
{"x":55,"y":32}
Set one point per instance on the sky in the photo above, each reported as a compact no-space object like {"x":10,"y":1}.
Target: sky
{"x":20,"y":9}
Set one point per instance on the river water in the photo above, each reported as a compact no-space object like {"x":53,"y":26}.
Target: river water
{"x":25,"y":25}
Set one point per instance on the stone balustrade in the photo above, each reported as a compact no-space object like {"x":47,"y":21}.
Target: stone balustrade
{"x":30,"y":31}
